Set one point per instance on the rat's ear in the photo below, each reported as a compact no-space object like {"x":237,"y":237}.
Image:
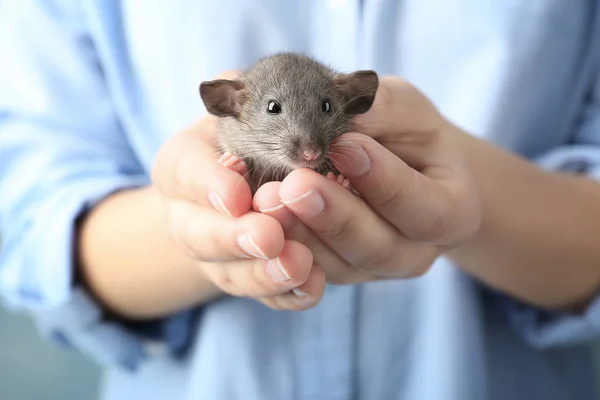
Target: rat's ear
{"x":357,"y":90}
{"x":222,"y":97}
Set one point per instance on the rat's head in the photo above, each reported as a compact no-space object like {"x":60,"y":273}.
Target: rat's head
{"x":291,"y":107}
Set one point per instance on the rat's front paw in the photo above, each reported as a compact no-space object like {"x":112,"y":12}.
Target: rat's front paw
{"x":233,"y":162}
{"x":341,"y":179}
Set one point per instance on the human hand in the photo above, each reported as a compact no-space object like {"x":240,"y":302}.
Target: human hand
{"x":242,"y":252}
{"x":417,"y":198}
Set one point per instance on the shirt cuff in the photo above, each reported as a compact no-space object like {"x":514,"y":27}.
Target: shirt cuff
{"x":545,"y":329}
{"x":37,"y":275}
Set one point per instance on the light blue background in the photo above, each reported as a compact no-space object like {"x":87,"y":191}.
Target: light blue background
{"x":32,"y":369}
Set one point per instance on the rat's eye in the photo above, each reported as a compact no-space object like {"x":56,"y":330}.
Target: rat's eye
{"x":273,"y":107}
{"x":326,"y":106}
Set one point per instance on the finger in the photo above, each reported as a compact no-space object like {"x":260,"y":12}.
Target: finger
{"x":435,"y":208}
{"x":351,"y":228}
{"x":306,"y":296}
{"x":398,"y":100}
{"x":266,"y":200}
{"x":263,"y":278}
{"x":187,"y":167}
{"x":337,"y":270}
{"x":207,"y":235}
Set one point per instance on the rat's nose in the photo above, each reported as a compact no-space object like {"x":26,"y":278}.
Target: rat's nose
{"x":311,"y":155}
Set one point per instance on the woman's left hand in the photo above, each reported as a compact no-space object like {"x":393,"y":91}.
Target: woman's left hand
{"x":417,"y":198}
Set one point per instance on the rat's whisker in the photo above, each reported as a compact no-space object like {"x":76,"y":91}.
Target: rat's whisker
{"x":281,"y":171}
{"x":329,"y":163}
{"x":369,"y":123}
{"x":387,"y":103}
{"x":265,"y":145}
{"x":271,"y":168}
{"x":245,"y":176}
{"x":250,"y":153}
{"x":339,"y":155}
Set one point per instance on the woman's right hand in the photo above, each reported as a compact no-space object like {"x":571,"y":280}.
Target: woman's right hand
{"x":208,"y":206}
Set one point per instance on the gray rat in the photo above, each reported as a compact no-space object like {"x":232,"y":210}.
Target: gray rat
{"x":284,"y":112}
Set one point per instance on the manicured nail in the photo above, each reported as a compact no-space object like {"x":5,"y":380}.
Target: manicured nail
{"x":276,"y":270}
{"x":218,"y":204}
{"x":286,"y":222}
{"x":299,"y":292}
{"x":310,"y":203}
{"x":249,"y":246}
{"x":271,"y":209}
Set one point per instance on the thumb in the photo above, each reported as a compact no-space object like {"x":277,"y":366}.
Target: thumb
{"x":427,"y":209}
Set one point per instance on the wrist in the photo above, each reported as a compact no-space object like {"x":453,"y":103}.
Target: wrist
{"x":128,"y":260}
{"x":531,"y":243}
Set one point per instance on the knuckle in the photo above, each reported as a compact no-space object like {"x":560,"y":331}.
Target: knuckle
{"x":197,"y":237}
{"x":394,"y":261}
{"x":219,"y":238}
{"x":393,"y":195}
{"x":221,"y":276}
{"x":339,"y":229}
{"x":435,"y":228}
{"x":385,"y":260}
{"x":261,"y":278}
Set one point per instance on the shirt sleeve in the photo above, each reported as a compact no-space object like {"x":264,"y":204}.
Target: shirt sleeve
{"x":544,"y":328}
{"x":62,"y":150}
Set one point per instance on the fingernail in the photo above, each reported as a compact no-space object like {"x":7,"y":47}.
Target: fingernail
{"x":276,"y":270}
{"x":271,"y":209}
{"x":356,"y":162}
{"x":299,"y":292}
{"x":287,"y":220}
{"x":218,"y":204}
{"x":224,"y":157}
{"x":310,"y":203}
{"x":249,"y":246}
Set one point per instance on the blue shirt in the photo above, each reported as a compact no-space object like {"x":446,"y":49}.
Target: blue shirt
{"x":89,"y":90}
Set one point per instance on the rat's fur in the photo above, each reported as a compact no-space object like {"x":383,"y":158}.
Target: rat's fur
{"x":270,"y":143}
